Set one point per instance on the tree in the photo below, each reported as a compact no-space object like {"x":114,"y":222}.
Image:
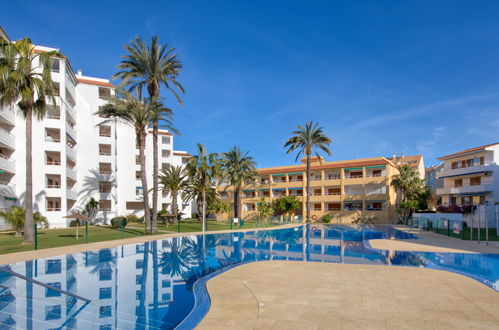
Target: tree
{"x":173,"y":180}
{"x":131,"y":110}
{"x":264,"y":209}
{"x":413,"y":193}
{"x":307,"y":140}
{"x":15,"y":217}
{"x":91,"y":207}
{"x":26,"y":81}
{"x":238,"y":170}
{"x":219,"y":208}
{"x":151,"y":65}
{"x":204,"y":171}
{"x":194,"y":190}
{"x":286,"y":205}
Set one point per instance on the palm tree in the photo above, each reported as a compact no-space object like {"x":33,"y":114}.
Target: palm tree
{"x":194,"y":190}
{"x":131,"y":110}
{"x":308,"y":140}
{"x":91,"y":207}
{"x":238,"y":169}
{"x":204,"y":171}
{"x":151,"y":65}
{"x":15,"y":217}
{"x":411,"y":189}
{"x":25,"y":81}
{"x":173,"y":180}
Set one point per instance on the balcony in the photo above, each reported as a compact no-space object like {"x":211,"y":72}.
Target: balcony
{"x":71,"y":152}
{"x":486,"y":187}
{"x":7,"y":138}
{"x":70,"y":130}
{"x":464,"y":170}
{"x":7,"y":164}
{"x":71,"y":173}
{"x":71,"y":194}
{"x":8,"y":116}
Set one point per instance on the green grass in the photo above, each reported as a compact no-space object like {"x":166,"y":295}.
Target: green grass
{"x":63,"y":237}
{"x":467,"y":234}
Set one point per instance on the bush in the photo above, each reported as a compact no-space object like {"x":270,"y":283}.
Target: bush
{"x":117,"y":222}
{"x":450,"y":209}
{"x":131,"y":218}
{"x":75,"y":223}
{"x":326,"y":218}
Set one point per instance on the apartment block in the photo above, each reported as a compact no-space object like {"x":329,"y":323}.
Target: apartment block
{"x":77,"y":155}
{"x":470,"y":176}
{"x":342,"y":189}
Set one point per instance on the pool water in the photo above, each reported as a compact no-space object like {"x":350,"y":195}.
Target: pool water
{"x":150,"y":285}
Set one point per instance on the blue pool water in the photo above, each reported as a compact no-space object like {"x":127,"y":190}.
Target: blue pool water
{"x":150,"y":285}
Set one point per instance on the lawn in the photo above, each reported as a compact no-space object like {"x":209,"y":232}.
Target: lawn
{"x":63,"y":237}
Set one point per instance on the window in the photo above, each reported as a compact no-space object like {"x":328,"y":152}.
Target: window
{"x":105,"y":130}
{"x":57,"y":89}
{"x":476,"y":181}
{"x":104,"y":92}
{"x":165,"y":153}
{"x":105,"y":293}
{"x":165,"y":166}
{"x":333,"y":191}
{"x":454,"y":165}
{"x":166,"y":284}
{"x":317,"y":207}
{"x":375,"y":206}
{"x":105,"y":274}
{"x":139,"y":264}
{"x":352,"y":206}
{"x":458,"y":183}
{"x":166,"y":297}
{"x":53,"y":266}
{"x":55,"y":64}
{"x":165,"y":139}
{"x":105,"y":187}
{"x":105,"y":311}
{"x":333,"y":207}
{"x":333,"y":176}
{"x":105,"y":149}
{"x":137,"y":175}
{"x":105,"y":168}
{"x":53,"y":312}
{"x":105,"y":205}
{"x":51,"y":292}
{"x":317,"y":192}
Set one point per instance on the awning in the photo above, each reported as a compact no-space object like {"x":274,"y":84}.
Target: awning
{"x":280,"y":189}
{"x":472,"y":194}
{"x":278,"y":174}
{"x":295,"y":188}
{"x":248,"y":190}
{"x":296,"y":173}
{"x":266,"y":189}
{"x":10,"y":198}
{"x":377,"y":166}
{"x":352,"y":168}
{"x":472,"y":173}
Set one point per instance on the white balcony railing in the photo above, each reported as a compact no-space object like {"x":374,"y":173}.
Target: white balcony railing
{"x":71,"y":172}
{"x":53,"y":209}
{"x":52,"y":139}
{"x":53,"y":162}
{"x":8,"y":115}
{"x":465,"y":189}
{"x":463,"y":170}
{"x":7,"y":164}
{"x":53,"y":186}
{"x":7,"y":138}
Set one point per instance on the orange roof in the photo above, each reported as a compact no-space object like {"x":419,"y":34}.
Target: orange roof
{"x":468,"y":150}
{"x":323,"y":166}
{"x":412,"y":161}
{"x":95,"y":82}
{"x":160,"y":132}
{"x":181,"y":153}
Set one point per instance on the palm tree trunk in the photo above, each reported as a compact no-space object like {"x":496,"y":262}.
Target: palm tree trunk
{"x":204,"y":210}
{"x":142,"y":139}
{"x":174,"y":205}
{"x":155,"y":175}
{"x":28,"y":216}
{"x":307,"y":202}
{"x":236,"y":203}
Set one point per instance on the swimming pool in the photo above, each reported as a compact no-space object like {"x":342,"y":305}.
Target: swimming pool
{"x":150,"y":285}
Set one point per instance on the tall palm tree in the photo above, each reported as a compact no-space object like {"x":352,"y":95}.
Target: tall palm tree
{"x":151,"y":65}
{"x":173,"y":180}
{"x":238,"y":169}
{"x":411,"y":187}
{"x":307,"y":140}
{"x":131,"y":110}
{"x":204,"y":169}
{"x":194,"y":190}
{"x":26,"y":81}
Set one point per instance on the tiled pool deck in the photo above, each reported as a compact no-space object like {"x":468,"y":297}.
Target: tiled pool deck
{"x":301,"y":295}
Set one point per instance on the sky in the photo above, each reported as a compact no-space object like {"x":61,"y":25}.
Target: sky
{"x":380,"y":77}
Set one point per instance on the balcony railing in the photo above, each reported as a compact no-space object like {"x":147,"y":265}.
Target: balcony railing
{"x":106,"y":172}
{"x":6,"y":183}
{"x":53,"y":116}
{"x":332,"y":193}
{"x":295,"y":180}
{"x":56,"y":186}
{"x":104,"y":153}
{"x":333,"y":209}
{"x":353,"y":176}
{"x":53,"y":162}
{"x":372,"y":175}
{"x":53,"y":209}
{"x":315,"y":178}
{"x":105,"y":191}
{"x":52,"y":139}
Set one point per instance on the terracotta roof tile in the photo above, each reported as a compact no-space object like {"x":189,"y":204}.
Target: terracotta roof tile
{"x":95,"y":82}
{"x":468,"y":150}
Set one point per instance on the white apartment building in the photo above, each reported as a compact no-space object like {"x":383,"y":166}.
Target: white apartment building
{"x":76,"y":156}
{"x":470,"y":176}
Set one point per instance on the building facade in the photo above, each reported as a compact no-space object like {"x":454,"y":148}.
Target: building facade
{"x":343,"y":189}
{"x":470,"y":176}
{"x":431,"y":179}
{"x":77,"y":155}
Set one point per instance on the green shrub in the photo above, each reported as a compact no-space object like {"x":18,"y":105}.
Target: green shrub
{"x":75,"y":223}
{"x":326,"y":218}
{"x":131,"y":218}
{"x":117,"y":222}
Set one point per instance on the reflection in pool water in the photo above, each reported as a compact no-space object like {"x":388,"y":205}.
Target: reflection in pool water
{"x":149,"y":285}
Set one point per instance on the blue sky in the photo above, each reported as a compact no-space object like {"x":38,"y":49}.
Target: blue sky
{"x":412,"y":77}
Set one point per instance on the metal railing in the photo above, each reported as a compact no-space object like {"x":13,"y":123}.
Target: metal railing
{"x":53,"y":162}
{"x":56,"y":186}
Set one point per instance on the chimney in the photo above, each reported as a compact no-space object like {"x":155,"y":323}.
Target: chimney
{"x":80,"y":73}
